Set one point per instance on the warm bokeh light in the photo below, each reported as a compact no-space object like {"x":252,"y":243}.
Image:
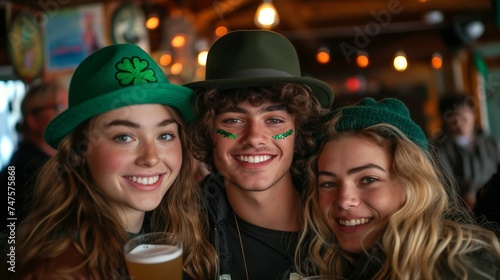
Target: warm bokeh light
{"x":362,"y":60}
{"x":266,"y":16}
{"x":202,"y":58}
{"x":221,"y":30}
{"x":176,"y":68}
{"x":178,"y":41}
{"x":437,"y":61}
{"x":323,"y":56}
{"x":153,"y":22}
{"x":200,"y":73}
{"x":400,"y":62}
{"x":165,"y":59}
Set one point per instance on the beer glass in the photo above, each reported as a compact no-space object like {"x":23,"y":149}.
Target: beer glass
{"x":156,"y":255}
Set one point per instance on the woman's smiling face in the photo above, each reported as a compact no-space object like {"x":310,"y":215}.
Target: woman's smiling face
{"x":356,"y":189}
{"x":137,"y":156}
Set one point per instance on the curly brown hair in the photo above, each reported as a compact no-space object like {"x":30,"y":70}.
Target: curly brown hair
{"x":299,"y":102}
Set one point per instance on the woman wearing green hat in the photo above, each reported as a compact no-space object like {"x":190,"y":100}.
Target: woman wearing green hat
{"x":122,"y":153}
{"x":378,"y":207}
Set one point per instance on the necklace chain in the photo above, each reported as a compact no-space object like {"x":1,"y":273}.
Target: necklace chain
{"x":241,"y":245}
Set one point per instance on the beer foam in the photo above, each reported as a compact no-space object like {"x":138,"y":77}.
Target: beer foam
{"x":147,"y":253}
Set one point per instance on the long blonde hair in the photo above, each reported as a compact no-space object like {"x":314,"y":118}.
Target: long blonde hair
{"x":430,"y":232}
{"x":69,"y":210}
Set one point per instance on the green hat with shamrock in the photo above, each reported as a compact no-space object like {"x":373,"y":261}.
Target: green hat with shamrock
{"x":113,"y":77}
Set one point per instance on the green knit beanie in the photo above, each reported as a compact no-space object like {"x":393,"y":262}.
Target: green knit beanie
{"x":369,"y":112}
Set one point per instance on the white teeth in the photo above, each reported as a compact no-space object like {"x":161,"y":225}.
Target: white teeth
{"x":254,"y":159}
{"x":354,"y":222}
{"x":144,"y":180}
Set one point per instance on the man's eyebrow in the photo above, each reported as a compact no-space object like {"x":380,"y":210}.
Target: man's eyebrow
{"x":233,"y":110}
{"x":270,"y":108}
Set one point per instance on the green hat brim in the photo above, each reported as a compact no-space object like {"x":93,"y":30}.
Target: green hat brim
{"x":171,"y":95}
{"x":320,"y":89}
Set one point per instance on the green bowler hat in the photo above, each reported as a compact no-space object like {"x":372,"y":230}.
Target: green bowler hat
{"x":113,"y":77}
{"x":257,"y":58}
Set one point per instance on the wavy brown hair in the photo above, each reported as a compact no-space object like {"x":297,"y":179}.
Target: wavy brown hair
{"x":432,"y":231}
{"x":69,"y":210}
{"x":298,"y":100}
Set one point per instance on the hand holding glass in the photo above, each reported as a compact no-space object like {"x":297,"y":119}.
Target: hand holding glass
{"x":153,"y":256}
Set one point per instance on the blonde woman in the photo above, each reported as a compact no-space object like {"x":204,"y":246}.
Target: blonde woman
{"x":123,"y":168}
{"x":379,"y":209}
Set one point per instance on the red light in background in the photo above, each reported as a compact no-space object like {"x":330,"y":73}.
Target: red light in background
{"x":353,"y":84}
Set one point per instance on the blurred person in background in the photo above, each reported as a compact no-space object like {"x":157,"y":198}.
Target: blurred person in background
{"x":470,"y":154}
{"x":42,"y":103}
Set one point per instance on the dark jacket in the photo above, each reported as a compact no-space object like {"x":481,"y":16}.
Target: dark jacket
{"x":270,"y":253}
{"x":488,"y":202}
{"x":219,"y":210}
{"x":27,"y":162}
{"x":471,"y":168}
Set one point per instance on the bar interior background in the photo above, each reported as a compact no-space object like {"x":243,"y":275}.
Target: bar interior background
{"x":448,"y":46}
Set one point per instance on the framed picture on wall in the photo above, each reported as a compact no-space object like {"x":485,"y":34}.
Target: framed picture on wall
{"x":25,"y":47}
{"x":72,"y":34}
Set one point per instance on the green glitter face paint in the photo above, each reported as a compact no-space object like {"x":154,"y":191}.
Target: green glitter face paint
{"x":283,"y":135}
{"x":226,"y":134}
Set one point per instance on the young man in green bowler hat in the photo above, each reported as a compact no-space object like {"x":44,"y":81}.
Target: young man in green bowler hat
{"x":256,"y":116}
